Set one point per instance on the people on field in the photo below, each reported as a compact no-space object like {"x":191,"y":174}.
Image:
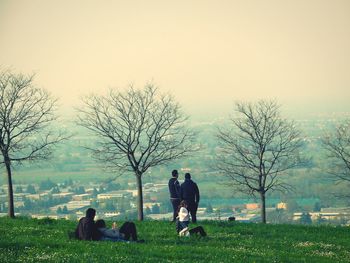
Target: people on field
{"x":126,"y":231}
{"x":174,"y":190}
{"x":189,"y":192}
{"x":88,"y":229}
{"x":86,"y":226}
{"x":183,"y":221}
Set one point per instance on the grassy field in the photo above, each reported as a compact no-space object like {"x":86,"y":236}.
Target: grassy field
{"x":28,"y":240}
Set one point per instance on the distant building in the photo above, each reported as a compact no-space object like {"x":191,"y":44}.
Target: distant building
{"x":81,"y":197}
{"x":63,"y":195}
{"x":149,"y":205}
{"x":111,"y":215}
{"x":18,"y":204}
{"x":33,"y":196}
{"x":282,"y":206}
{"x":72,"y":206}
{"x":148,"y":185}
{"x":19,"y":197}
{"x":297,"y":216}
{"x":201,"y":210}
{"x":91,"y":190}
{"x":252,"y":206}
{"x":38,"y":216}
{"x":115,"y":195}
{"x":44,"y":195}
{"x":132,"y":192}
{"x":238,"y":207}
{"x":336,"y":209}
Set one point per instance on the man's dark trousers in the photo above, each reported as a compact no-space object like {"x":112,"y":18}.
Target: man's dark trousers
{"x":192,"y":207}
{"x":175,"y":202}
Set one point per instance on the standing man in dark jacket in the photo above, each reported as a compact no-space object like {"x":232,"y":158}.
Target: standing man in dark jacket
{"x":86,"y":226}
{"x":174,"y":189}
{"x":190,"y":193}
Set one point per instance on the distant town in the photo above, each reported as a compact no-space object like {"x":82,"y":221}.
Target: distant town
{"x":69,"y":200}
{"x":117,"y":201}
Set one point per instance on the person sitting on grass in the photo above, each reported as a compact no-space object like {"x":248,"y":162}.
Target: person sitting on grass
{"x":86,"y":226}
{"x":127,"y":230}
{"x":183,"y":221}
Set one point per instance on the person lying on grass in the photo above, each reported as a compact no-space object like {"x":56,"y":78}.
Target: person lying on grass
{"x":183,"y":221}
{"x":87,"y":229}
{"x":127,"y":230}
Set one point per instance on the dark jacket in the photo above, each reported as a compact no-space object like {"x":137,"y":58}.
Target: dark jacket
{"x":189,"y":191}
{"x":85,"y":229}
{"x":174,"y":188}
{"x":180,"y":225}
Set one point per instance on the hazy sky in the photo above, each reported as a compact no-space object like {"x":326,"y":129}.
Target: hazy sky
{"x":207,"y":53}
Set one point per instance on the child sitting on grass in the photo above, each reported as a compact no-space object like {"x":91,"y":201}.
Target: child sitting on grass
{"x":183,"y":221}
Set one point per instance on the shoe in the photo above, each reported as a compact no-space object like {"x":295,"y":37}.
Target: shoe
{"x":140,"y":241}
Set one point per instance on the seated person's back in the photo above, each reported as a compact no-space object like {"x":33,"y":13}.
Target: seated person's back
{"x":86,"y":226}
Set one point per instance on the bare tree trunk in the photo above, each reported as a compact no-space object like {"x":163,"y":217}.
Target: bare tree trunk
{"x":263,"y":208}
{"x":139,"y":197}
{"x":11,"y":210}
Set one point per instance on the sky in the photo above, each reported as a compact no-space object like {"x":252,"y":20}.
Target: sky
{"x":208,"y":54}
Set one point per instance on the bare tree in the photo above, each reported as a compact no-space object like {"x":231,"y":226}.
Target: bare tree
{"x":25,"y":114}
{"x":136,"y":130}
{"x":337,"y":145}
{"x":257,"y":149}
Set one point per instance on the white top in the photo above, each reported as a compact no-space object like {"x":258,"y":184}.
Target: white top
{"x":183,"y":215}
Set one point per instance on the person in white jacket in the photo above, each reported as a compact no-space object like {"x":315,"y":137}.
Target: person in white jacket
{"x":183,"y":221}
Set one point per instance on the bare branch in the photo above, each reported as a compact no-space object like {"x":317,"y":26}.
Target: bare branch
{"x":337,"y":146}
{"x":258,"y":148}
{"x":136,"y":129}
{"x":26,"y":113}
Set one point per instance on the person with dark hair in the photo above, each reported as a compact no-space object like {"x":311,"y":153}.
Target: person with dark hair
{"x":128,"y":229}
{"x":174,"y":189}
{"x":86,"y":226}
{"x":183,"y":221}
{"x":190,"y":193}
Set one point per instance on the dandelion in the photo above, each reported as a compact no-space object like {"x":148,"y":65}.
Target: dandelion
{"x":328,"y":254}
{"x":304,"y":244}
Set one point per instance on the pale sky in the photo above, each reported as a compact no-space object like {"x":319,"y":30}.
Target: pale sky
{"x":208,"y":54}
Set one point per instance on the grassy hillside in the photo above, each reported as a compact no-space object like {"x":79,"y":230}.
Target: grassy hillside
{"x":27,"y":240}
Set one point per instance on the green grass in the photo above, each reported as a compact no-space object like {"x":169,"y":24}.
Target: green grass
{"x":29,"y":240}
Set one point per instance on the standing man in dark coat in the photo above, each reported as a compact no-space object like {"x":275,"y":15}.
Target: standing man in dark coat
{"x":190,"y":193}
{"x":174,"y":189}
{"x":86,"y":226}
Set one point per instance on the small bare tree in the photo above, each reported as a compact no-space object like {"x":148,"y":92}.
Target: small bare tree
{"x":337,"y":145}
{"x":136,"y":130}
{"x":257,"y":149}
{"x":25,"y":114}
